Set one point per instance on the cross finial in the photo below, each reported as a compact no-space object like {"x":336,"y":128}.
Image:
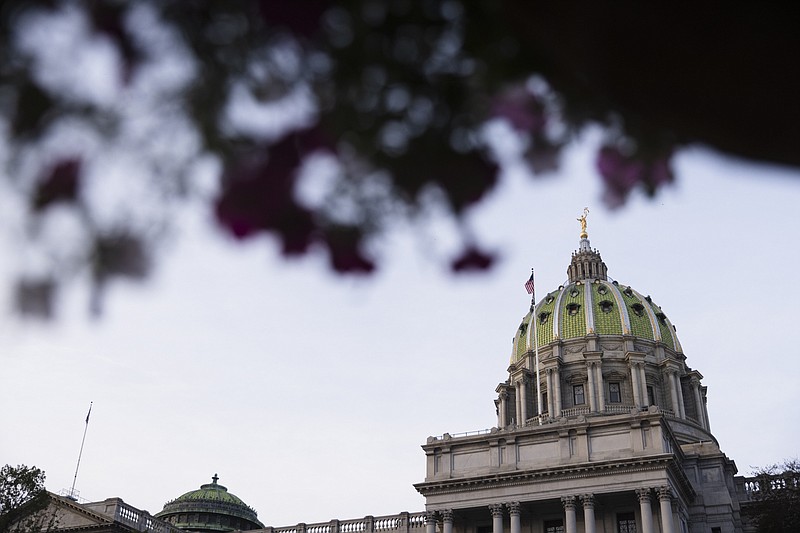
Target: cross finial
{"x":215,"y":479}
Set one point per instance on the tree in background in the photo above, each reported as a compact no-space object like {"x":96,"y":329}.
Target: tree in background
{"x":325,"y":122}
{"x":23,"y":500}
{"x":776,"y":504}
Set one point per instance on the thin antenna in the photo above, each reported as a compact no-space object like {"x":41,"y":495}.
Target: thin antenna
{"x":72,"y":495}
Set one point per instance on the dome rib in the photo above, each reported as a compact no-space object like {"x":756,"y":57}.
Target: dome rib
{"x":557,"y":313}
{"x":620,"y":301}
{"x":589,"y":305}
{"x":649,"y":309}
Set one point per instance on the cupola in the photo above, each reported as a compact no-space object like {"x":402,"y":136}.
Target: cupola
{"x":210,"y":509}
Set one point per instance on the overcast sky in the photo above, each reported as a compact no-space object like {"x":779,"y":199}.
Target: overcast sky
{"x":310,"y":394}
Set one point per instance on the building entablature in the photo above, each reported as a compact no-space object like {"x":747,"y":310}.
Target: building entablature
{"x":552,"y":482}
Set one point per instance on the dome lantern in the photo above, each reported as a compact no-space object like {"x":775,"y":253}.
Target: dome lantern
{"x":586,"y":263}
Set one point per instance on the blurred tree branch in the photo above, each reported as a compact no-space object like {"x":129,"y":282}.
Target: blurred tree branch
{"x":393,"y":96}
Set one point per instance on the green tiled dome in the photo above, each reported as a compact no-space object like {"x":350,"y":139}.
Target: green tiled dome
{"x":590,"y":304}
{"x":211,"y":508}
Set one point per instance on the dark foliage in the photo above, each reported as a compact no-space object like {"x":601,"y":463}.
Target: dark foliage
{"x":396,"y":93}
{"x":22,"y":498}
{"x":776,"y":504}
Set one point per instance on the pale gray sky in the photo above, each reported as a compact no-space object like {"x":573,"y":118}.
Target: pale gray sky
{"x":310,"y":394}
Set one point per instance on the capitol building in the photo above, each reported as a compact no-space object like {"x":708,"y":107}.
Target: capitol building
{"x":601,"y":427}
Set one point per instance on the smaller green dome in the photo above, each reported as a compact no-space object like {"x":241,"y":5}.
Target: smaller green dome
{"x":211,"y":508}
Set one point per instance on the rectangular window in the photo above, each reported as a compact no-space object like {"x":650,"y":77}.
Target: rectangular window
{"x":577,"y":394}
{"x":614,"y":394}
{"x":544,"y":403}
{"x":626,"y":523}
{"x":651,"y":395}
{"x":553,"y":526}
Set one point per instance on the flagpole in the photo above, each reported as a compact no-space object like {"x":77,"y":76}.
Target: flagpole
{"x":536,"y":352}
{"x":85,"y":429}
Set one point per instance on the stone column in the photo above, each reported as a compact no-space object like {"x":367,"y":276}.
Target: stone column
{"x":645,"y":509}
{"x":637,"y":393}
{"x":551,"y":396}
{"x":430,"y":521}
{"x":514,"y":512}
{"x":601,"y":390}
{"x":588,"y":512}
{"x":673,"y":393}
{"x":447,"y":520}
{"x":501,"y":419}
{"x":698,"y":402}
{"x":523,"y":399}
{"x":557,"y":386}
{"x":591,"y":391}
{"x":518,"y":394}
{"x":681,"y":402}
{"x":703,"y":392}
{"x":643,"y":384}
{"x":569,"y":514}
{"x":665,"y":502}
{"x":497,"y":517}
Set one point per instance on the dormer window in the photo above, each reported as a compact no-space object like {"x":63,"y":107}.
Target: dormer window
{"x":543,"y":317}
{"x":606,"y":306}
{"x":638,"y":309}
{"x":662,"y":318}
{"x":549,"y":299}
{"x":602,"y":289}
{"x":574,"y":293}
{"x":628,"y":292}
{"x":573,"y":308}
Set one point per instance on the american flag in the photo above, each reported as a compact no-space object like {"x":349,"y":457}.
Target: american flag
{"x":529,"y":284}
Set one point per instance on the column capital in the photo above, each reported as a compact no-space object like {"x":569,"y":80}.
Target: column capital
{"x":513,"y":508}
{"x":447,"y":515}
{"x":587,"y":500}
{"x":664,"y":493}
{"x":430,"y":517}
{"x":568,"y":502}
{"x":496,"y":509}
{"x":643,"y":494}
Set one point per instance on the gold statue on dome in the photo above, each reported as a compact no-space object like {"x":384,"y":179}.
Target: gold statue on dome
{"x":582,"y":220}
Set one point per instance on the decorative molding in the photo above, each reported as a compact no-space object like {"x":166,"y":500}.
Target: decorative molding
{"x":568,"y":502}
{"x":611,"y":346}
{"x":497,"y":510}
{"x":575,"y":348}
{"x":576,"y":378}
{"x":616,"y":375}
{"x":568,"y":472}
{"x":587,"y":500}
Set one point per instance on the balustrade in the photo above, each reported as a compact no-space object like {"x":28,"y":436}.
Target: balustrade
{"x":402,"y":522}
